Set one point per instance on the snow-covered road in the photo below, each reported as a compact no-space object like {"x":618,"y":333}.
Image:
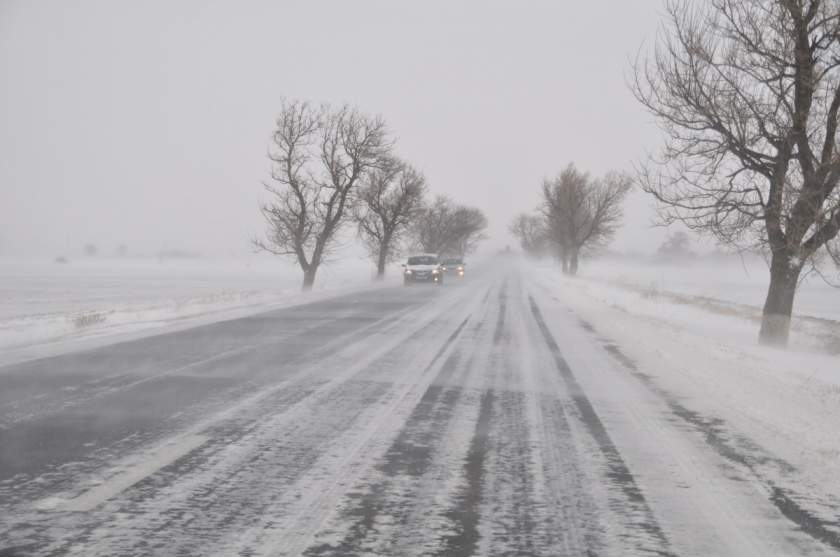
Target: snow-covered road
{"x":481,"y":418}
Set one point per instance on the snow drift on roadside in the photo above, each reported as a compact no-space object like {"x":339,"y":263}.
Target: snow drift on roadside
{"x":779,"y":407}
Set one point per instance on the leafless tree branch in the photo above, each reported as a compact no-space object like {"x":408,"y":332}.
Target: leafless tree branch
{"x":747,"y":93}
{"x":391,"y":197}
{"x":318,"y":157}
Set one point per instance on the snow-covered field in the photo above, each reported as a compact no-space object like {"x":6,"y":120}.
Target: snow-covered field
{"x":723,"y":287}
{"x":692,"y":338}
{"x":739,"y":280}
{"x":45,"y":302}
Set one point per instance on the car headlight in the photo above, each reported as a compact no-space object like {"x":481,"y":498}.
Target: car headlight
{"x":408,"y":271}
{"x":444,"y":268}
{"x":434,"y":272}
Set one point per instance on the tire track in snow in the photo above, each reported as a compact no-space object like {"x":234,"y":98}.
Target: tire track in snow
{"x":293,"y":522}
{"x":495,"y":508}
{"x":407,"y":460}
{"x":283,"y":455}
{"x":524,"y":492}
{"x":500,"y":321}
{"x":638,"y":511}
{"x":570,"y":513}
{"x":397,"y":494}
{"x":201,"y":469}
{"x":232,"y":497}
{"x":465,"y":514}
{"x":340,"y":432}
{"x":570,"y":498}
{"x":509,"y":510}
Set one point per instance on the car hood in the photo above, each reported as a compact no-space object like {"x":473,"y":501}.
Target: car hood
{"x":422,"y":267}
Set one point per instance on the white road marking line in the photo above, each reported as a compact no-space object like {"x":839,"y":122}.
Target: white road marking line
{"x":159,"y":458}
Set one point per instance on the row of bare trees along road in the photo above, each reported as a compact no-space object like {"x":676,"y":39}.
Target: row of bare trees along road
{"x":747,"y":94}
{"x":332,"y":167}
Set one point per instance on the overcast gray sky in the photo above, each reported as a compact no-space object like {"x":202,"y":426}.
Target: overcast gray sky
{"x":146,"y":123}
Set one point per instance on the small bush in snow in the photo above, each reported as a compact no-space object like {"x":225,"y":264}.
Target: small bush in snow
{"x":832,"y":345}
{"x":88,"y":319}
{"x":651,"y":292}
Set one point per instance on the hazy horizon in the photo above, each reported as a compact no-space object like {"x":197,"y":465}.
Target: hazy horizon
{"x":147,"y":124}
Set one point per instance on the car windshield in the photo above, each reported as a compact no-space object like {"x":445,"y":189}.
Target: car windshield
{"x":422,"y":260}
{"x":453,"y":261}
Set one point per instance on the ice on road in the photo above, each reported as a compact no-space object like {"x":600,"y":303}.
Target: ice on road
{"x":483,"y":417}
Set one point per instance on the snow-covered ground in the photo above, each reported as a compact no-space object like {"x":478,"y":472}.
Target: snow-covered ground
{"x":722,"y":287}
{"x":739,"y":280}
{"x":45,"y":302}
{"x":606,"y":411}
{"x":513,"y":412}
{"x":692,"y":339}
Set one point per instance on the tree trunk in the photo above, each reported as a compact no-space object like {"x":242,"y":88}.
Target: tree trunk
{"x":309,"y":277}
{"x":573,"y":262}
{"x":778,"y":307}
{"x":381,"y":261}
{"x":562,"y":255}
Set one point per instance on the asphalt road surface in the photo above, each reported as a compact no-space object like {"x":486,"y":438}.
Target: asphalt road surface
{"x":477,"y":418}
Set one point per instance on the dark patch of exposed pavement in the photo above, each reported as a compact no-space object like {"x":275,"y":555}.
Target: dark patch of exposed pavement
{"x":410,"y":453}
{"x":465,"y":515}
{"x":500,"y":322}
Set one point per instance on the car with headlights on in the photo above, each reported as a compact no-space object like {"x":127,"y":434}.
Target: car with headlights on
{"x":424,"y":267}
{"x":454,"y":266}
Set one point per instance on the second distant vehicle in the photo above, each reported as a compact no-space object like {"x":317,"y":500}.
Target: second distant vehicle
{"x":423,"y":268}
{"x":455,"y":266}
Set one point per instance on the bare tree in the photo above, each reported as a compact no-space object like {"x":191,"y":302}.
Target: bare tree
{"x":532,"y":233}
{"x":444,"y":227}
{"x":583,"y":213}
{"x":391,"y":196}
{"x":676,"y":246}
{"x":556,"y":233}
{"x":748,"y":93}
{"x":468,"y":225}
{"x":318,"y":156}
{"x":431,"y":228}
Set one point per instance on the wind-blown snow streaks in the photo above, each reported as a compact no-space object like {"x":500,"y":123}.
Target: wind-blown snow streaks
{"x":476,"y":419}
